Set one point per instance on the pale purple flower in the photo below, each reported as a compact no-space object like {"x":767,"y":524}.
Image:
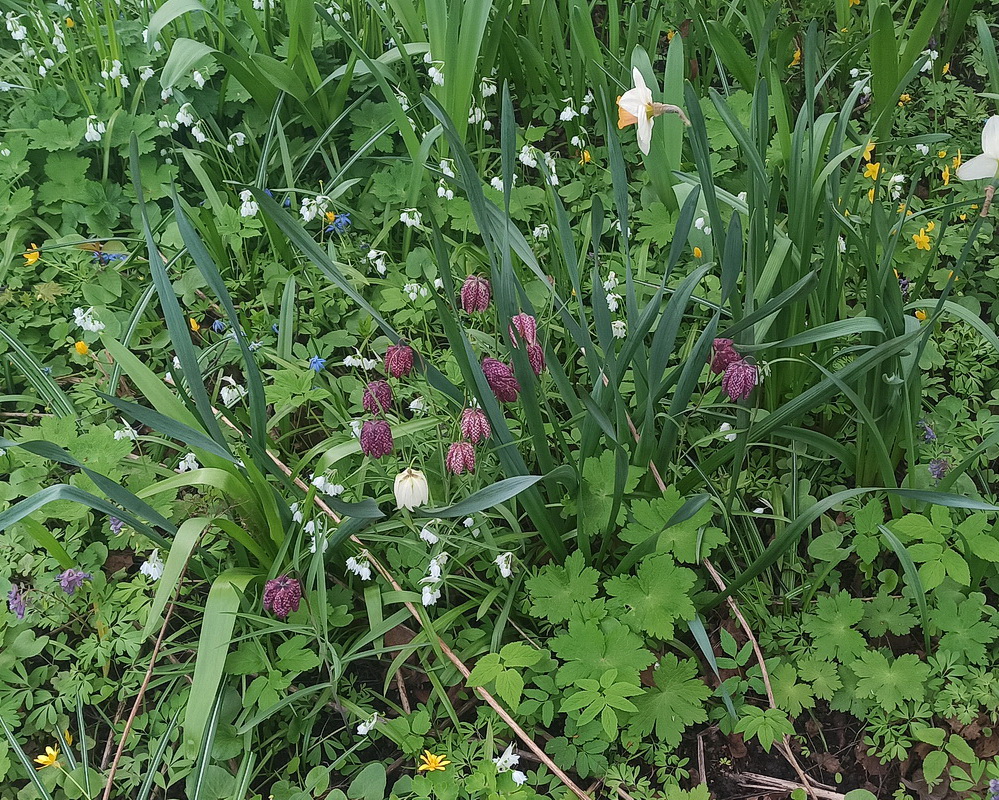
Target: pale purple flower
{"x":501,"y":380}
{"x":377,"y":397}
{"x":282,"y":595}
{"x":115,"y":525}
{"x":475,"y":294}
{"x":376,"y":438}
{"x":460,"y":458}
{"x":72,"y":579}
{"x":17,"y":602}
{"x":475,"y":425}
{"x":929,"y":435}
{"x":938,"y":468}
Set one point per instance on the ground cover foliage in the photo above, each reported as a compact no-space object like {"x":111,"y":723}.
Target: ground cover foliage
{"x":494,"y":399}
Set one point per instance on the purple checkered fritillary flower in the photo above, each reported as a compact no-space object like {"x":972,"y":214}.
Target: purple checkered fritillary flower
{"x":282,"y":595}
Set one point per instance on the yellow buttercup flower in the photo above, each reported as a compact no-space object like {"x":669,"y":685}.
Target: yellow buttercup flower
{"x":32,"y":254}
{"x":870,"y":195}
{"x":70,"y":23}
{"x":796,"y":59}
{"x":331,"y":216}
{"x":921,"y":239}
{"x":194,"y":324}
{"x":50,"y":759}
{"x":871,"y":170}
{"x":920,"y":315}
{"x":697,"y":252}
{"x":930,"y":226}
{"x":854,"y":3}
{"x":941,"y":154}
{"x":81,"y":348}
{"x":431,"y":763}
{"x":903,"y":99}
{"x":585,"y":157}
{"x":669,"y":35}
{"x":869,"y":151}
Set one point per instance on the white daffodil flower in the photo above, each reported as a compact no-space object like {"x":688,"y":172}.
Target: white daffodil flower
{"x":636,"y":107}
{"x":987,"y":164}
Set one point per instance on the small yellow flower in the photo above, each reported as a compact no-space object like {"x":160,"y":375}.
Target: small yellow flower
{"x":68,"y":736}
{"x":81,"y":348}
{"x":49,"y":759}
{"x":946,"y":68}
{"x":921,"y":315}
{"x":70,"y":23}
{"x":585,"y":157}
{"x":870,"y":195}
{"x":930,"y":226}
{"x":697,"y":252}
{"x":956,"y":161}
{"x":432,"y":763}
{"x":869,"y":151}
{"x":921,"y":239}
{"x":941,"y":154}
{"x":963,"y":217}
{"x":903,"y":99}
{"x":854,"y":3}
{"x":796,"y":59}
{"x":669,"y":35}
{"x":871,"y":170}
{"x":194,"y":324}
{"x":945,"y":174}
{"x":331,"y":217}
{"x":32,"y":254}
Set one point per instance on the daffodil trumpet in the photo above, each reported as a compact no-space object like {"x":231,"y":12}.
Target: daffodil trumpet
{"x":636,"y":107}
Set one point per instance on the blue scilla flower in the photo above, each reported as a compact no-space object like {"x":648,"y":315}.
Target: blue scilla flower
{"x":218,"y":326}
{"x":274,"y":327}
{"x":338,"y":223}
{"x":317,"y":363}
{"x":47,"y":370}
{"x":287,"y":200}
{"x":102,"y":258}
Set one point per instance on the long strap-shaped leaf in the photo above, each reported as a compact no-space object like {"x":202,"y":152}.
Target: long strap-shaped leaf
{"x":176,"y":322}
{"x":63,"y":491}
{"x":22,"y":358}
{"x":112,"y":489}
